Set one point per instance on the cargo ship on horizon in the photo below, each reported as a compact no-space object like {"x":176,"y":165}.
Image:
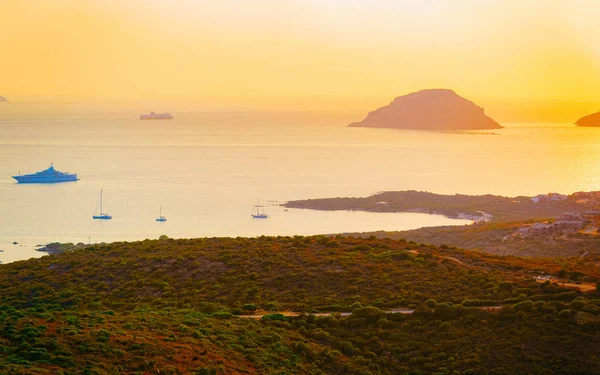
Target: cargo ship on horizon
{"x":156,"y":116}
{"x":47,"y":176}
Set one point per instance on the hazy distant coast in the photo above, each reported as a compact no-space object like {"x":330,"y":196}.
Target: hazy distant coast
{"x":3,"y":99}
{"x":435,"y":109}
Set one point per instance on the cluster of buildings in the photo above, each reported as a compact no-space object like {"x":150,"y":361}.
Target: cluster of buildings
{"x":570,"y":222}
{"x":483,"y":218}
{"x":548,"y":197}
{"x":587,"y":197}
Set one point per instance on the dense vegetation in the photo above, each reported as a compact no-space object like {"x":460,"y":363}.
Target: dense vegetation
{"x":501,"y":208}
{"x":176,"y":307}
{"x":500,"y":239}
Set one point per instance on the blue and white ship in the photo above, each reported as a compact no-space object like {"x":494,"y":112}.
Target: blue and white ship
{"x":47,"y":176}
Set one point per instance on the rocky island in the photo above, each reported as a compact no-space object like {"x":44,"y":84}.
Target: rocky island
{"x":589,"y":120}
{"x":3,"y":99}
{"x":434,"y":109}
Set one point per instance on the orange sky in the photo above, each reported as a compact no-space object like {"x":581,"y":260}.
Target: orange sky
{"x":488,"y":51}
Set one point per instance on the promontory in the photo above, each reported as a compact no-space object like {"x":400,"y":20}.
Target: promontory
{"x":433,"y":109}
{"x":589,"y":120}
{"x":3,"y":99}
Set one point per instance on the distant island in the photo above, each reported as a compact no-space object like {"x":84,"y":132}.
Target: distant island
{"x":434,"y":109}
{"x":3,"y":99}
{"x":589,"y":120}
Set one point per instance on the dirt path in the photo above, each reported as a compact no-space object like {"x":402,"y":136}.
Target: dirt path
{"x":584,"y":287}
{"x":416,"y":252}
{"x":401,"y":310}
{"x":398,"y":310}
{"x":456,"y":261}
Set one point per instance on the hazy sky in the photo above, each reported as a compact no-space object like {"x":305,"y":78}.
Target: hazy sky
{"x":180,"y":49}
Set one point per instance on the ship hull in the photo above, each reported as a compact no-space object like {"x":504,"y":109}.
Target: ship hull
{"x":143,"y":117}
{"x":32,"y":179}
{"x":102,"y":217}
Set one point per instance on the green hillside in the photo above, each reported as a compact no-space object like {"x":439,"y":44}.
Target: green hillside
{"x":178,"y":306}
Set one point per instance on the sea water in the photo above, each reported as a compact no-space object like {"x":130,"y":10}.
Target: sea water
{"x":207,"y":169}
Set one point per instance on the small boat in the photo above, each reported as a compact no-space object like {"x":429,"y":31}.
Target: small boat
{"x":259,"y":214}
{"x":102,"y":215}
{"x":156,"y":116}
{"x":160,"y":216}
{"x":47,"y":176}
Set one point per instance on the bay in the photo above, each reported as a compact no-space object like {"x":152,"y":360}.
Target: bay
{"x":208,"y":168}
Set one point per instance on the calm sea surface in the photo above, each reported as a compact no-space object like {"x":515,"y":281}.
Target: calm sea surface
{"x":207,"y":169}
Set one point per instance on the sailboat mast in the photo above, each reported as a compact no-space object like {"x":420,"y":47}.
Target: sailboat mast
{"x":100,"y":201}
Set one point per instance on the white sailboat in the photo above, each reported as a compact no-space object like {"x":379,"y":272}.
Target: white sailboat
{"x":102,"y":215}
{"x":160,"y":216}
{"x":259,"y":214}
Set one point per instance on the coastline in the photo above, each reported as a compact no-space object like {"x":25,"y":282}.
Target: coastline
{"x":479,"y":208}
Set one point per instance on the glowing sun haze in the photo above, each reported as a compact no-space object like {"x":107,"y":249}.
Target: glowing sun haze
{"x":180,"y":49}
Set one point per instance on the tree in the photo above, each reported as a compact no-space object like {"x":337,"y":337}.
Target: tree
{"x":445,"y":311}
{"x":578,"y":303}
{"x":431,"y":304}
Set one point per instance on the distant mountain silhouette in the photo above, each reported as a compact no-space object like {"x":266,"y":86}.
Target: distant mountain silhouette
{"x":589,"y":120}
{"x":3,"y":99}
{"x":434,"y":109}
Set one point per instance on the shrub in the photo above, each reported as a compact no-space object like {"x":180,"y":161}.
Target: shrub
{"x":524,"y":306}
{"x":332,"y":244}
{"x":578,"y":303}
{"x":279,"y":317}
{"x":565,"y":314}
{"x":271,"y":306}
{"x":222,"y":315}
{"x":445,"y":311}
{"x":237,"y":311}
{"x":431,"y":304}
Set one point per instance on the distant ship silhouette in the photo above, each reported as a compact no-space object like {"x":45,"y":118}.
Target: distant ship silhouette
{"x":156,"y":116}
